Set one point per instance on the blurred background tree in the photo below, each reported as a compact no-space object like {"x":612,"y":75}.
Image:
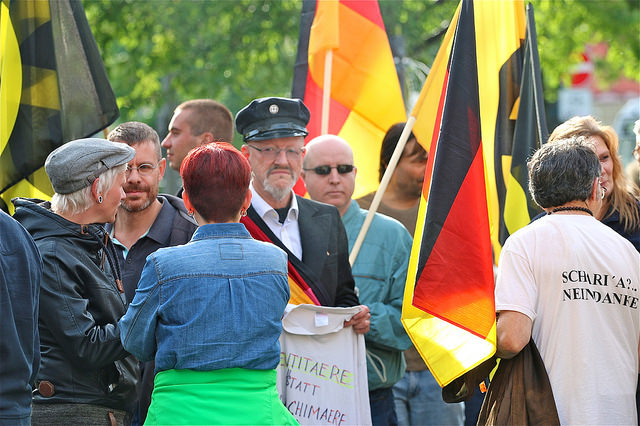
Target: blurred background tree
{"x":161,"y":52}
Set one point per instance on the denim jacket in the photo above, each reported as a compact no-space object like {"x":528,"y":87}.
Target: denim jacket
{"x":213,"y":303}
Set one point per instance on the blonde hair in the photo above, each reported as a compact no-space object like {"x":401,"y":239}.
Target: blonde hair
{"x":621,"y":200}
{"x":79,"y":201}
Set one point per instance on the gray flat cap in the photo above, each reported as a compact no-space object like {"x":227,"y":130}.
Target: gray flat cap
{"x":76,"y":164}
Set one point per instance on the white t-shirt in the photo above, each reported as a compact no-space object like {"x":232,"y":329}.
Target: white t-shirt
{"x":579,"y":282}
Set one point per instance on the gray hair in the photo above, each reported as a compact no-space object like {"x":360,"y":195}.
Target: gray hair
{"x":79,"y":201}
{"x":563,"y":171}
{"x":135,"y":132}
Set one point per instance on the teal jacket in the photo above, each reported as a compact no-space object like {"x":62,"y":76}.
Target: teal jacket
{"x":380,"y":272}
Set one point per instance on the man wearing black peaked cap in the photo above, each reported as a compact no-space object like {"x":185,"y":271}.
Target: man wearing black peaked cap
{"x":311,"y":233}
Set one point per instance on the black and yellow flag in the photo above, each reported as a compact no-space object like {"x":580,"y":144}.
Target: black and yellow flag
{"x":518,"y":208}
{"x":53,"y":89}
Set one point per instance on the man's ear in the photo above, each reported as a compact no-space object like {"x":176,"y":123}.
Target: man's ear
{"x":596,"y":191}
{"x":245,"y":151}
{"x":162,"y":166}
{"x":206,"y":137}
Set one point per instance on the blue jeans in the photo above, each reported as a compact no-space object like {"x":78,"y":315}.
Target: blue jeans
{"x":382,"y":409}
{"x":418,"y":401}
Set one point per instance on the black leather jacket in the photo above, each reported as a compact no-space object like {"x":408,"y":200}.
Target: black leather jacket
{"x":82,"y":358}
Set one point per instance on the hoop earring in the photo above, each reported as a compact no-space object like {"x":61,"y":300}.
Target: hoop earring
{"x":243,"y":212}
{"x":100,"y":199}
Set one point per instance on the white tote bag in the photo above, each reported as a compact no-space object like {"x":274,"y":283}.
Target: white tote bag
{"x":322,"y":375}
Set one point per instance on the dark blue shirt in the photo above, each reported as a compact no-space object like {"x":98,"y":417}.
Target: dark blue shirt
{"x":20,"y":274}
{"x":170,"y":228}
{"x":614,"y":223}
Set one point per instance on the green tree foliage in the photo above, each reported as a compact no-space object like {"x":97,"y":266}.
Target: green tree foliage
{"x":161,"y":52}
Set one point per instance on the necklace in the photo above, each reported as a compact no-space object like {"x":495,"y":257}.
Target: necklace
{"x":569,"y":208}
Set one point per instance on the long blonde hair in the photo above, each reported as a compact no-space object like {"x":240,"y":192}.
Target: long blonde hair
{"x":620,"y":200}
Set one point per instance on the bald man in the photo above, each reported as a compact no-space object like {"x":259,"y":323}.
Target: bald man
{"x":379,"y":271}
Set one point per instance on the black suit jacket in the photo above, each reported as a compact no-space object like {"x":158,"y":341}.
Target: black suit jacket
{"x":325,"y":252}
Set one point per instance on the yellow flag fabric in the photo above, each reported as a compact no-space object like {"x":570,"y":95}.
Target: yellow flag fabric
{"x":452,"y":320}
{"x":53,"y":89}
{"x":366,"y":98}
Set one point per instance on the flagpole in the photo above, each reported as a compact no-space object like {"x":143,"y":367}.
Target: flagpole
{"x":393,"y":162}
{"x":326,"y":93}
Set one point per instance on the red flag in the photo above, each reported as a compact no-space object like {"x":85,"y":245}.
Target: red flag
{"x":366,"y":98}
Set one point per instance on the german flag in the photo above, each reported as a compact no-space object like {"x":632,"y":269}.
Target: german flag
{"x":467,"y":110}
{"x":366,"y":98}
{"x":53,"y":89}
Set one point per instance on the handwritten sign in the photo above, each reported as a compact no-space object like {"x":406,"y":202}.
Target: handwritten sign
{"x":322,"y":375}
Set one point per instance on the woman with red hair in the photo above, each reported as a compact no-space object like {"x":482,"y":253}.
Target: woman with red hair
{"x":209,"y":312}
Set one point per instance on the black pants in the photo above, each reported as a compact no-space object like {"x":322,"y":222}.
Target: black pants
{"x":78,"y":414}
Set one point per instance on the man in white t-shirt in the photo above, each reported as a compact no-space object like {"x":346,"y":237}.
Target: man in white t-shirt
{"x":573,"y":284}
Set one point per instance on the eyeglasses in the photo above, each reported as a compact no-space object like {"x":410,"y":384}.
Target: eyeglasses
{"x":144,"y":169}
{"x":271,"y":153}
{"x":343,"y":169}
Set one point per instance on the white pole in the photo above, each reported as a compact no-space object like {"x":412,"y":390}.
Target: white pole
{"x":397,"y":153}
{"x":326,"y":93}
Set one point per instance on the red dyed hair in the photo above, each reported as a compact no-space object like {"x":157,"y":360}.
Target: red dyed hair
{"x":216,"y":179}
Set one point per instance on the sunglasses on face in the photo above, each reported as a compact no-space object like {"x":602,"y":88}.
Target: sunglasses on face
{"x":343,"y":169}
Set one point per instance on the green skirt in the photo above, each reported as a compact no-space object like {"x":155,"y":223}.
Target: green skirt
{"x":232,"y":396}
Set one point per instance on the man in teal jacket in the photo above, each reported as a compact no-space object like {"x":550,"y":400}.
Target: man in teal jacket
{"x":380,"y":270}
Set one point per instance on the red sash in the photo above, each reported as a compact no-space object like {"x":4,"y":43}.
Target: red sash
{"x":301,"y":293}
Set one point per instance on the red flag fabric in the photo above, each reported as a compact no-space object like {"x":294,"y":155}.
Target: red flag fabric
{"x":467,"y":110}
{"x":301,"y":293}
{"x":366,"y":98}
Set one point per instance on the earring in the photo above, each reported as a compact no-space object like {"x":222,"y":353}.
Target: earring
{"x":604,"y":192}
{"x":99,"y":199}
{"x":243,"y":212}
{"x":190,"y":212}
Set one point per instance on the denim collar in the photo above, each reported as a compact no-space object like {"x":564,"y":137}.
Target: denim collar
{"x":221,"y":230}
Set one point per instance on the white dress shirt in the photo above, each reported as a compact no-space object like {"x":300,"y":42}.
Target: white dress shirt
{"x":288,"y":232}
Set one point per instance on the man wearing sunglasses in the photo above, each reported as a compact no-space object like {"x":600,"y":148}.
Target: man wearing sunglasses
{"x":311,"y":233}
{"x":145,"y":222}
{"x":380,"y":270}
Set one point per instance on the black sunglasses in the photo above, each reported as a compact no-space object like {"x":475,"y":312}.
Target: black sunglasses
{"x":325,"y":170}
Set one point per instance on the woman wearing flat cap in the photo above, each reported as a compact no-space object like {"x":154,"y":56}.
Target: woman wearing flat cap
{"x":86,"y":376}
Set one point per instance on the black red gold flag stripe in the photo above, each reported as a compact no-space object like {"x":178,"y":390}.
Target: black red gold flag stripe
{"x":467,"y":111}
{"x":366,"y":98}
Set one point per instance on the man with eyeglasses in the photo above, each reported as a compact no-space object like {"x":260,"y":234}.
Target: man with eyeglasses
{"x":380,"y":269}
{"x":145,"y":222}
{"x":311,"y":233}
